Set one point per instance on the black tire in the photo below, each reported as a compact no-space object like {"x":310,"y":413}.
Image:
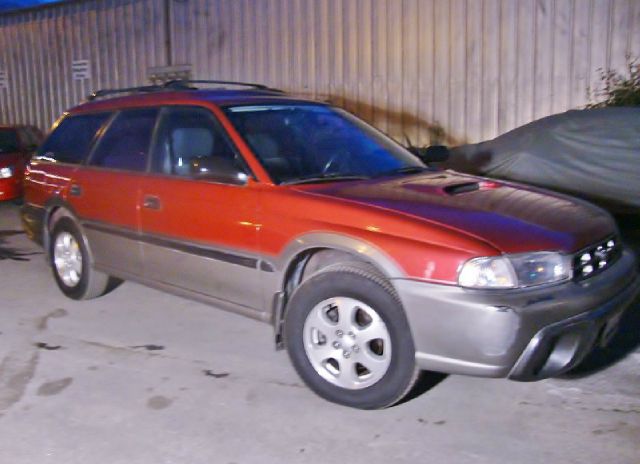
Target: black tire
{"x":358,"y":281}
{"x":91,"y":283}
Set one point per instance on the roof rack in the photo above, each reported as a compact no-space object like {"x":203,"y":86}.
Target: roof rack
{"x":177,"y":84}
{"x":184,"y":84}
{"x":105,"y":92}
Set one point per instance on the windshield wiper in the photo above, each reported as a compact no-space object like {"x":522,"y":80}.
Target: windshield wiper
{"x":324,"y":178}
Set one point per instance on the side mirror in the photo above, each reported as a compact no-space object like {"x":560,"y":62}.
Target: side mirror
{"x":431,"y":154}
{"x":217,"y":169}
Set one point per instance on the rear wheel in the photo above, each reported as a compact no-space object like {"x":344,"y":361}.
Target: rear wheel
{"x":71,"y":263}
{"x":348,"y":337}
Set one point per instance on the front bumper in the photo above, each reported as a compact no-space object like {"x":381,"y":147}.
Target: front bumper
{"x":523,"y":334}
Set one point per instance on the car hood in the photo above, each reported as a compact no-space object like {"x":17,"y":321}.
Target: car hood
{"x":512,"y":218}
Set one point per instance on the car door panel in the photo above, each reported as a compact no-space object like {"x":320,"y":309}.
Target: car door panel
{"x":106,"y":202}
{"x":200,"y":238}
{"x":199,"y":235}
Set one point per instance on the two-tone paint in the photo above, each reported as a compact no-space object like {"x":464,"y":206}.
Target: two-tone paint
{"x":237,"y":246}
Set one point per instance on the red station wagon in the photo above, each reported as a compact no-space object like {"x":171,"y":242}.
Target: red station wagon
{"x":370,"y":265}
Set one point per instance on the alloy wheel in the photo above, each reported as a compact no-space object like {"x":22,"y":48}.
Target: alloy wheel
{"x":347,"y":343}
{"x":67,"y":258}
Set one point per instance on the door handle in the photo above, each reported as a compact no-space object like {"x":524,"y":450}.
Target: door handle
{"x":75,"y":190}
{"x":151,"y":202}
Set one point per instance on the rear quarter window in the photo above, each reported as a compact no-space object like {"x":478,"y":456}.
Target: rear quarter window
{"x":71,"y":141}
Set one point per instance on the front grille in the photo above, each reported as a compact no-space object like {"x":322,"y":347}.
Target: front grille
{"x":596,"y":258}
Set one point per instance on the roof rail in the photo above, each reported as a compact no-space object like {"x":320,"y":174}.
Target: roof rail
{"x":105,"y":92}
{"x":178,"y":84}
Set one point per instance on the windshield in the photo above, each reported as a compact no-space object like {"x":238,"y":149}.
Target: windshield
{"x":8,"y":140}
{"x":307,"y":142}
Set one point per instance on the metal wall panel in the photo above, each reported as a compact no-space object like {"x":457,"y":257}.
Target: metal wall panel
{"x":470,"y":68}
{"x":432,"y":70}
{"x":120,"y":38}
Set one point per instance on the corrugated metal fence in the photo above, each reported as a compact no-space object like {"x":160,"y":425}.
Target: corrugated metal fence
{"x":459,"y":70}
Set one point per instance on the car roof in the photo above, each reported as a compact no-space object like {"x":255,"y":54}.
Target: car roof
{"x":220,"y":97}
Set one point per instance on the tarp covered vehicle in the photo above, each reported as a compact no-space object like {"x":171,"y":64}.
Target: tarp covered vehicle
{"x":593,"y":154}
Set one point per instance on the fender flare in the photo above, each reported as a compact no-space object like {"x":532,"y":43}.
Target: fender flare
{"x":354,"y":245}
{"x":55,"y":203}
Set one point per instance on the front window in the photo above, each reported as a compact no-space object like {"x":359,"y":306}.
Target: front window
{"x":8,"y":141}
{"x":307,"y":143}
{"x":190,"y":143}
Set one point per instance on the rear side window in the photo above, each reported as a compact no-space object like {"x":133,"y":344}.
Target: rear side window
{"x":125,"y":144}
{"x":71,"y":141}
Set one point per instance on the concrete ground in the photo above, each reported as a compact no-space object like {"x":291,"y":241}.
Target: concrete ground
{"x":139,"y":376}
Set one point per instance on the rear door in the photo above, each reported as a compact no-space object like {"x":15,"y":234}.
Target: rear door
{"x":199,"y":235}
{"x":105,"y":192}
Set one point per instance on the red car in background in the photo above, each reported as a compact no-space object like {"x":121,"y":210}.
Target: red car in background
{"x":16,"y":145}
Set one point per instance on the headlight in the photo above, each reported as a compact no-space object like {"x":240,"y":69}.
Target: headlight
{"x":6,"y":172}
{"x":511,"y":271}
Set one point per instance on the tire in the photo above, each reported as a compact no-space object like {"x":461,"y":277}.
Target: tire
{"x":348,"y":338}
{"x":71,"y":263}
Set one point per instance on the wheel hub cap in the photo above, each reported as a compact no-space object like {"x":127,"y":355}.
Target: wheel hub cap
{"x":347,"y":343}
{"x":67,"y":259}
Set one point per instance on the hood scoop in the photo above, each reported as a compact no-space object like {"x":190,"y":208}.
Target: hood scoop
{"x":465,"y":187}
{"x":449,"y":185}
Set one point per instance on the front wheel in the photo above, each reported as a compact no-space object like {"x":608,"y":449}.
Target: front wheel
{"x":71,"y":263}
{"x":348,"y":337}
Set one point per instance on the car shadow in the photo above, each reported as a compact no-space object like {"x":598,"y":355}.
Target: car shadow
{"x":426,"y":381}
{"x":10,"y":253}
{"x":629,"y":225}
{"x":627,"y":339}
{"x":416,"y":130}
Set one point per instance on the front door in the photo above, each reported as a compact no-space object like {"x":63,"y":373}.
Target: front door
{"x":199,"y":235}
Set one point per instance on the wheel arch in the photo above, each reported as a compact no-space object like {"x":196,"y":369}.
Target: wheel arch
{"x":312,"y":252}
{"x":55,"y":209}
{"x":341,"y":246}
